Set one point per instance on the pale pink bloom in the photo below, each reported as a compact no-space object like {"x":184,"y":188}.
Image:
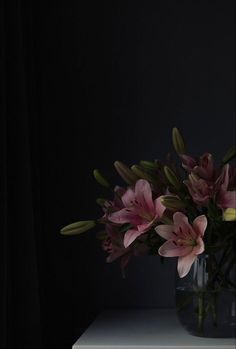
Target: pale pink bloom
{"x":199,"y":189}
{"x":140,"y":210}
{"x":114,"y":246}
{"x":203,"y":167}
{"x":114,"y":205}
{"x":224,"y":198}
{"x":183,"y":240}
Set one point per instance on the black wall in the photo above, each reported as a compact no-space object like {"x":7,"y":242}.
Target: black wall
{"x":111,"y":80}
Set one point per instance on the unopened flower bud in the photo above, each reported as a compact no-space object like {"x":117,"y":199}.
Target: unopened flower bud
{"x":178,"y":141}
{"x":125,"y":172}
{"x":229,"y":214}
{"x":230,"y":154}
{"x":172,"y":202}
{"x":172,"y":178}
{"x":193,"y":177}
{"x":100,"y":201}
{"x":141,"y":174}
{"x":148,"y":165}
{"x":101,"y":179}
{"x":77,"y":227}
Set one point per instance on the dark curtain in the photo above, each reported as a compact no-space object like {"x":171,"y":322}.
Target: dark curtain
{"x":20,"y":201}
{"x":84,"y":84}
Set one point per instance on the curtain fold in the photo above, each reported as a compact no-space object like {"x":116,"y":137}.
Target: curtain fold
{"x":20,"y":205}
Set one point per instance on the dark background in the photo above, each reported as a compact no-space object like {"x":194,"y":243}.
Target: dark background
{"x":84,"y":84}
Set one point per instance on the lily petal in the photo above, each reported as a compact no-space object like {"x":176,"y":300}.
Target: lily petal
{"x":171,"y":249}
{"x":185,"y":263}
{"x":200,"y":246}
{"x":144,"y":227}
{"x":124,"y":216}
{"x":165,"y":231}
{"x":130,"y":236}
{"x":226,"y":199}
{"x":180,"y":218}
{"x":200,"y":224}
{"x":159,"y":207}
{"x":143,"y":194}
{"x":128,"y":197}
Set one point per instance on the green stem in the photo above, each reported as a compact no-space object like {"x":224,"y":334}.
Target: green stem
{"x":184,"y":303}
{"x":213,"y":307}
{"x":200,"y":311}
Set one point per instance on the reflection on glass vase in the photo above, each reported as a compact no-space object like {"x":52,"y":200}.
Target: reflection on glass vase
{"x":206,"y":297}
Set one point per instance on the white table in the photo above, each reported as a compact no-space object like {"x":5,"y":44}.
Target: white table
{"x":144,"y":329}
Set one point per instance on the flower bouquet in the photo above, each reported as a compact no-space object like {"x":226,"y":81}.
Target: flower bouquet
{"x":186,"y":211}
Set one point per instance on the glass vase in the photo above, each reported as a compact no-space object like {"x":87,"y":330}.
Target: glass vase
{"x":206,"y":297}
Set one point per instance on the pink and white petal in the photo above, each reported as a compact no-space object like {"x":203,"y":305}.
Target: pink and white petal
{"x":143,"y":194}
{"x":130,"y":236}
{"x":171,"y":249}
{"x":200,"y":246}
{"x":128,"y":197}
{"x":185,"y":263}
{"x":159,"y":207}
{"x":165,"y":231}
{"x":179,"y":219}
{"x":200,"y":224}
{"x":182,"y":226}
{"x":124,"y":216}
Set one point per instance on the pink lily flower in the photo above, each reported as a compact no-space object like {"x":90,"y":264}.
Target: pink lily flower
{"x":183,"y":240}
{"x":204,"y":167}
{"x":140,"y":210}
{"x":113,"y":205}
{"x":224,"y":198}
{"x":114,"y":246}
{"x":199,"y":189}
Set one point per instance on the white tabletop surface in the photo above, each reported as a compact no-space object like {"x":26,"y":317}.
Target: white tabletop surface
{"x":144,"y":329}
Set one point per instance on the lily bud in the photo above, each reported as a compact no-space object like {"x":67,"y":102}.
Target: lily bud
{"x":101,"y":179}
{"x":100,"y":201}
{"x":193,"y":178}
{"x":148,"y":165}
{"x":77,"y":227}
{"x":125,"y":172}
{"x":229,"y":155}
{"x":229,"y":214}
{"x":178,"y":141}
{"x":140,"y":173}
{"x":172,"y":202}
{"x":172,"y":178}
